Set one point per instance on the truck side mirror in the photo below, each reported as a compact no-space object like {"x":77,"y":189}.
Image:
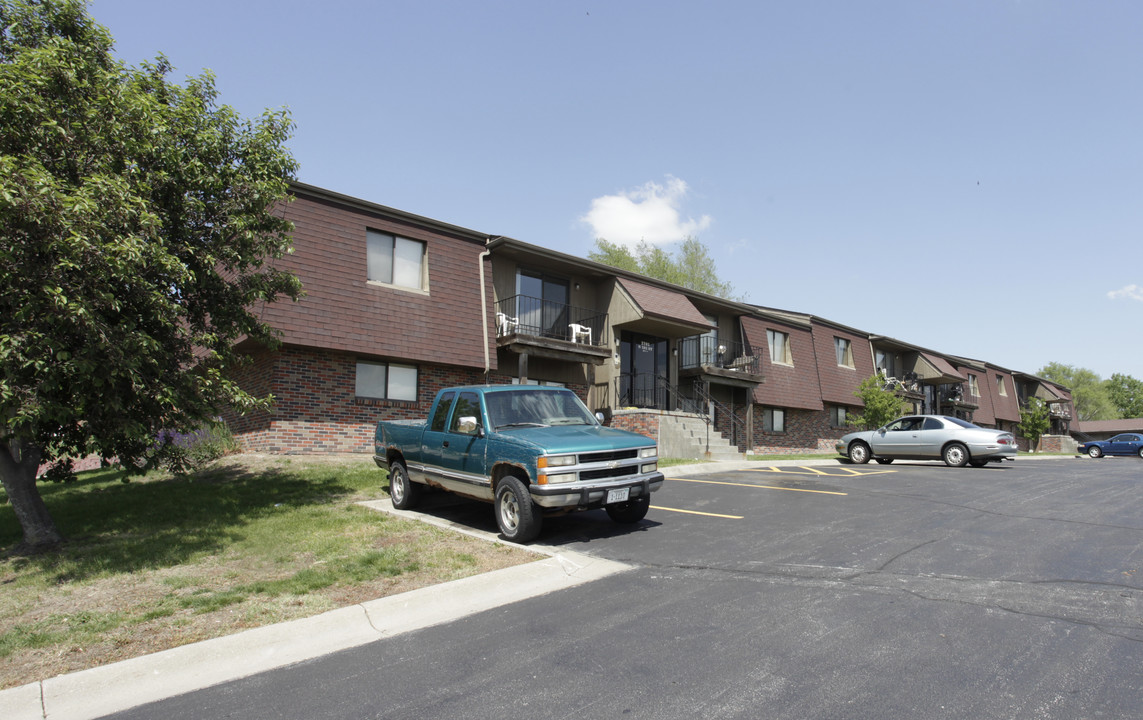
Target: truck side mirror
{"x":601,"y":418}
{"x":467,"y":425}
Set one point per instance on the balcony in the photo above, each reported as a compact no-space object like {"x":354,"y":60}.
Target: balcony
{"x":720,"y":362}
{"x":958,"y":397}
{"x":908,"y":386}
{"x":541,"y":328}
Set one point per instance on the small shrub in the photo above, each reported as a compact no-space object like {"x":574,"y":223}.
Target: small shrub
{"x":183,"y":453}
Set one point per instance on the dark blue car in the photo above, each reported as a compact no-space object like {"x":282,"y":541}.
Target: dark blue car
{"x":1122,"y":444}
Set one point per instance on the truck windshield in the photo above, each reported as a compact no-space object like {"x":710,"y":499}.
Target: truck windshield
{"x":534,"y":407}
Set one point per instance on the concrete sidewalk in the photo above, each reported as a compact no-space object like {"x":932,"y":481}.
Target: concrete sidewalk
{"x":112,"y":688}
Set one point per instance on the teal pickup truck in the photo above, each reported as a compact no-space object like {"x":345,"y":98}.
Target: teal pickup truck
{"x":530,"y":450}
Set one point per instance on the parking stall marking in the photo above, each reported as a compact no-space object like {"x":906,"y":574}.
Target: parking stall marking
{"x":764,"y":487}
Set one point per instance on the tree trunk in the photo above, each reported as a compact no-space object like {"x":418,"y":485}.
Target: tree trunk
{"x":19,"y":461}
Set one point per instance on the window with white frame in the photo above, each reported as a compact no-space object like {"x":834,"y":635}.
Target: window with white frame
{"x":973,"y":388}
{"x":386,"y":381}
{"x":844,"y":350}
{"x":774,"y":420}
{"x":779,"y":347}
{"x":394,"y":260}
{"x":837,"y":416}
{"x":1001,"y":387}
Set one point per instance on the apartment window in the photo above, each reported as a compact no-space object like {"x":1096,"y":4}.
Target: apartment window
{"x":844,"y":351}
{"x":1000,"y":386}
{"x":386,"y":381}
{"x":973,"y":388}
{"x":774,"y":420}
{"x":779,"y":347}
{"x":837,"y":416}
{"x":395,"y":260}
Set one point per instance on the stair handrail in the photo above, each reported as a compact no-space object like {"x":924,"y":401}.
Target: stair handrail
{"x":737,"y":424}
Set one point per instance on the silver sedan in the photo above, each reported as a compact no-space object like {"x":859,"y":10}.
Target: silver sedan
{"x":929,"y":437}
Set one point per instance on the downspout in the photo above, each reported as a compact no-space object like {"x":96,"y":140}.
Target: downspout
{"x":484,"y":314}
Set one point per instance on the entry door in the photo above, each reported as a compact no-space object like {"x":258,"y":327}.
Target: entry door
{"x":643,"y":364}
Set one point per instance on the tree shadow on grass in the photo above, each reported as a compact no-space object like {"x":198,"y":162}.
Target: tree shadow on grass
{"x":114,"y":527}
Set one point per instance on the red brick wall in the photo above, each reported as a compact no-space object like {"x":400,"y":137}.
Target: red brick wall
{"x":807,"y":432}
{"x":643,"y":422}
{"x":316,"y":410}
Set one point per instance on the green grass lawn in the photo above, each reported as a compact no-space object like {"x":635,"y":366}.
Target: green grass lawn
{"x":162,"y":561}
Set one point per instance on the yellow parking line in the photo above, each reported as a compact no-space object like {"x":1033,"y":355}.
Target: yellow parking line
{"x":696,"y":512}
{"x":768,"y":487}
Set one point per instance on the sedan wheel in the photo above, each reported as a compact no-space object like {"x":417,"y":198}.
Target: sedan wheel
{"x":1095,"y":452}
{"x":859,"y":453}
{"x":956,"y":455}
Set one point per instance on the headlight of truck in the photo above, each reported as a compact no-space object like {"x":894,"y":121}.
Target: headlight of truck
{"x":648,"y":452}
{"x":561,"y":478}
{"x":555,"y":461}
{"x":650,"y":467}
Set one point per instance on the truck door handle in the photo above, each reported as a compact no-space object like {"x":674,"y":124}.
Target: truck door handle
{"x":445,"y":444}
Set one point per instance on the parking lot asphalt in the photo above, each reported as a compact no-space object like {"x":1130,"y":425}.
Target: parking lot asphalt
{"x":109,"y":689}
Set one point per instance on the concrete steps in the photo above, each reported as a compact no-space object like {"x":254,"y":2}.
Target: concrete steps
{"x":686,"y":436}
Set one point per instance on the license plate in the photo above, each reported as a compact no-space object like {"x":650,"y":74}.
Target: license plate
{"x":618,"y":495}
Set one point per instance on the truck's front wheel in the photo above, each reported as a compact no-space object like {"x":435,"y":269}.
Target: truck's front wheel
{"x":402,"y":491}
{"x":631,"y":511}
{"x":517,"y":517}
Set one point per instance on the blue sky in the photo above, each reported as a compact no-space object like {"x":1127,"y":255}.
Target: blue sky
{"x":963,"y":175}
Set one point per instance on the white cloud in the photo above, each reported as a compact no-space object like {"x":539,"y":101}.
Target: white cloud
{"x":650,"y":213}
{"x":1132,"y":292}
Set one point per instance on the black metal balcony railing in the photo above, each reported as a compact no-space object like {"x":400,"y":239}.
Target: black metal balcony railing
{"x":959,"y":394}
{"x":702,"y":350}
{"x":524,"y":315}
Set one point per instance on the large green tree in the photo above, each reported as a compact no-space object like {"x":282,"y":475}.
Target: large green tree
{"x":1126,"y":394}
{"x":1089,"y":395}
{"x":692,"y":267}
{"x":137,"y":232}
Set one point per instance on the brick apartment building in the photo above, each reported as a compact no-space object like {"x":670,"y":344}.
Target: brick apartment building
{"x":398,"y":306}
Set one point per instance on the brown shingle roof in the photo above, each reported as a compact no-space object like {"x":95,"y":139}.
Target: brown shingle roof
{"x":661,"y":303}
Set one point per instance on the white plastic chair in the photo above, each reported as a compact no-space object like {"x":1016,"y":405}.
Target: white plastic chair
{"x":579,"y":332}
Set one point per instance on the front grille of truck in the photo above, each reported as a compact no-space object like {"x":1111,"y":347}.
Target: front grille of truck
{"x":605,"y":473}
{"x":608,"y":456}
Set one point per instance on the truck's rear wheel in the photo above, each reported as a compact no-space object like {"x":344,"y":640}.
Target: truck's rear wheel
{"x":518,"y":518}
{"x":631,"y":511}
{"x":402,"y":491}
